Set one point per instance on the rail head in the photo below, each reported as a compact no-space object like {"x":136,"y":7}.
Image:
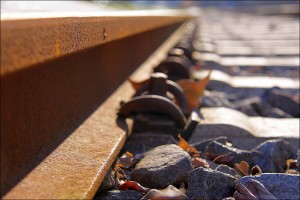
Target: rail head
{"x":33,"y":37}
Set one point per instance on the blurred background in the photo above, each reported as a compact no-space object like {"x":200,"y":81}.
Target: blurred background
{"x":282,"y":6}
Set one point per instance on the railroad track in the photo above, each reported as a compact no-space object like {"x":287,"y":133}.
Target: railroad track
{"x":64,"y":103}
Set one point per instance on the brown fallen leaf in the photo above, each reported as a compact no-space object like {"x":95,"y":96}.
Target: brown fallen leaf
{"x":193,"y":90}
{"x":255,"y":170}
{"x":291,"y":163}
{"x":138,"y":85}
{"x":132,"y":185}
{"x":119,"y":173}
{"x":127,"y":161}
{"x":186,"y":147}
{"x":199,"y":162}
{"x":242,"y":168}
{"x":225,"y":159}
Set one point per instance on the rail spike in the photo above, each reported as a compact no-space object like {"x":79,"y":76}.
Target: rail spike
{"x":155,"y":98}
{"x":153,"y":104}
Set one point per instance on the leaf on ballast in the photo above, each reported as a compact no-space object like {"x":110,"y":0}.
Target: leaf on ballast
{"x":199,"y":162}
{"x":193,"y":90}
{"x":138,"y":85}
{"x":127,"y":161}
{"x":132,"y":185}
{"x":225,"y":159}
{"x":291,"y":163}
{"x":242,"y":168}
{"x":119,"y":172}
{"x":255,"y":170}
{"x":186,"y":147}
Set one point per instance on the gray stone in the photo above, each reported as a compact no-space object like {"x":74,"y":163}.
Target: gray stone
{"x":145,"y":141}
{"x":170,"y":192}
{"x":256,"y":106}
{"x":278,"y":98}
{"x":215,"y":99}
{"x":227,"y":170}
{"x":272,"y":155}
{"x":210,"y":184}
{"x":252,"y":106}
{"x":119,"y":195}
{"x":282,"y":186}
{"x":162,"y":166}
{"x":237,"y":154}
{"x":109,"y":181}
{"x":200,"y":146}
{"x":277,"y":113}
{"x":212,"y":165}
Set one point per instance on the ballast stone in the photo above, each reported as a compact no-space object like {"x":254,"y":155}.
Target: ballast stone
{"x":120,"y":195}
{"x":163,"y":166}
{"x":282,"y":186}
{"x":210,"y":184}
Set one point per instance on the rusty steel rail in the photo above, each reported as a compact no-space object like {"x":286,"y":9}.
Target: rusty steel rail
{"x":62,"y":79}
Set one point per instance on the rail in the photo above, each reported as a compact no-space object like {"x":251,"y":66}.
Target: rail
{"x":62,"y":78}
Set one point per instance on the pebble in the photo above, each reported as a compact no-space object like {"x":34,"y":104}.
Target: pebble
{"x":163,"y":166}
{"x":109,"y":181}
{"x":119,"y":195}
{"x":142,"y":142}
{"x":200,"y":146}
{"x":237,"y":154}
{"x":227,"y":170}
{"x":282,"y":186}
{"x":256,"y":106}
{"x":215,"y":99}
{"x":278,"y":98}
{"x":272,"y":155}
{"x":273,"y":102}
{"x":170,"y":192}
{"x":210,"y":184}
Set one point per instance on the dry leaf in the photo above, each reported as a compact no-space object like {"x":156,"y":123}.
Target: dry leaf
{"x":119,"y":173}
{"x":255,"y":170}
{"x":128,"y":154}
{"x":220,"y":159}
{"x":138,"y":85}
{"x":132,"y":185}
{"x":127,"y":161}
{"x":199,"y":162}
{"x":186,"y":147}
{"x":193,"y":90}
{"x":242,"y":168}
{"x":291,"y":163}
